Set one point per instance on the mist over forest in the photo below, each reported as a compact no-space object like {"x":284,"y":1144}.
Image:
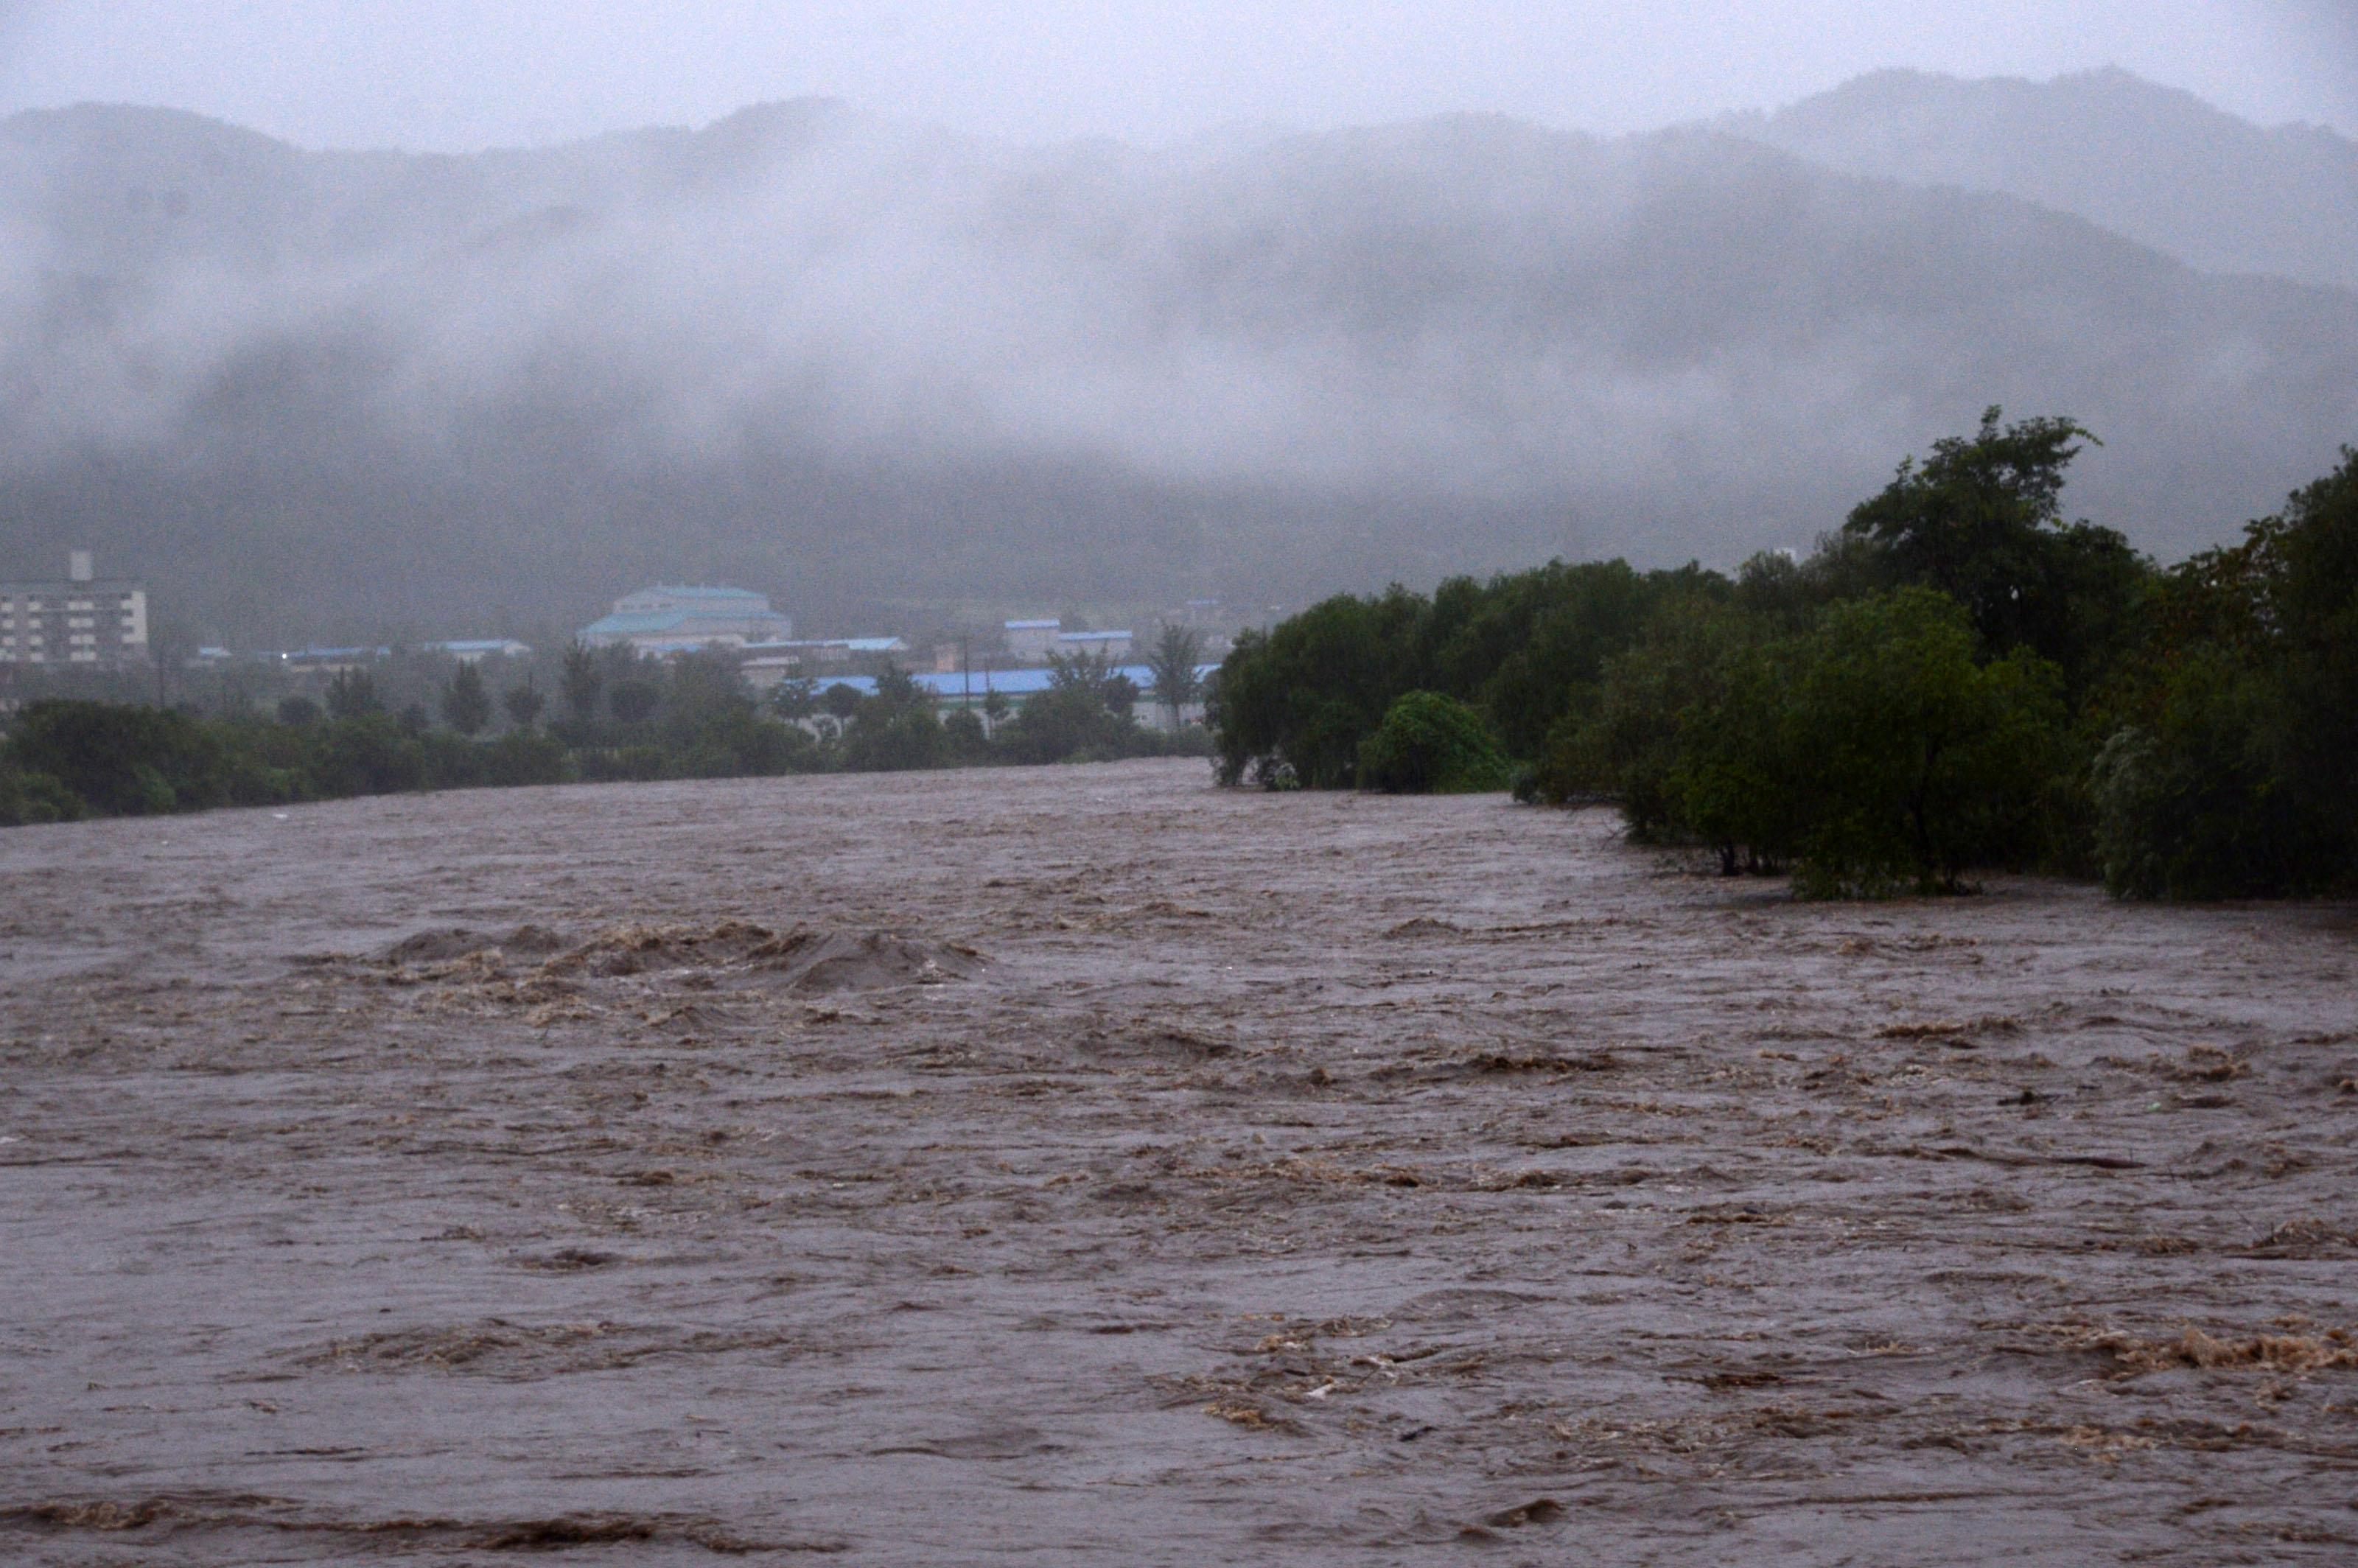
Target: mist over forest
{"x":849,"y":360}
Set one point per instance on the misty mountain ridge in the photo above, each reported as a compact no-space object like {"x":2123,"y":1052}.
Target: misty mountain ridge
{"x":2153,"y":164}
{"x":841,"y":359}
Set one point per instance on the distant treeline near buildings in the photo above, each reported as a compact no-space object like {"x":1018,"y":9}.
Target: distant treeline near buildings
{"x":613,"y":715}
{"x":1957,"y":679}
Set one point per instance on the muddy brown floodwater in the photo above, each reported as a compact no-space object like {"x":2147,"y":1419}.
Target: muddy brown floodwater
{"x":1089,"y":1165}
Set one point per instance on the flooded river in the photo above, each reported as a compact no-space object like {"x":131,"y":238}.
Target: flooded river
{"x":1089,"y":1165}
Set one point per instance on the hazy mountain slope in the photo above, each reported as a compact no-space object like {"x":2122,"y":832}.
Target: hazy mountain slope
{"x":840,"y":359}
{"x":2151,"y":163}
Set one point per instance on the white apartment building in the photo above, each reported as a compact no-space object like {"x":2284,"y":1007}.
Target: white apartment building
{"x":83,"y":620}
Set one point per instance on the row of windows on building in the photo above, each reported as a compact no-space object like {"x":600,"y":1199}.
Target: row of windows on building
{"x":79,"y":620}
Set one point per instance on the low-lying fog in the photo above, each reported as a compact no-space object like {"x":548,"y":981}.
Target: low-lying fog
{"x":845,"y":358}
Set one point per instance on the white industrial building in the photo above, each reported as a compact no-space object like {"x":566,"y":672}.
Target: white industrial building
{"x":1032,"y":641}
{"x":1028,"y":641}
{"x":672,"y":619}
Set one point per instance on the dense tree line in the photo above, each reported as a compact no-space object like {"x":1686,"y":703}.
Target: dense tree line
{"x":616,"y":717}
{"x":1957,"y":678}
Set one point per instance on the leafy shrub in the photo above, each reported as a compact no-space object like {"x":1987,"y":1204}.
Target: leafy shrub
{"x":964,"y":736}
{"x":1063,"y":724}
{"x":120,"y":760}
{"x":894,"y":730}
{"x":634,"y":701}
{"x":29,"y":797}
{"x":1432,"y":744}
{"x":624,"y":765}
{"x":370,"y":754}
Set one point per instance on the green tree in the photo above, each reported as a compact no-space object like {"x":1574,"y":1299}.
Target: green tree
{"x":1680,"y":694}
{"x":370,"y":754}
{"x":796,"y":698}
{"x":2234,"y":768}
{"x":897,"y":728}
{"x":1065,"y":723}
{"x":713,"y":728}
{"x":2194,"y":803}
{"x":581,"y":682}
{"x":706,"y":684}
{"x":634,"y":701}
{"x":1737,"y":781}
{"x":351,"y":693}
{"x":1525,"y":649}
{"x":466,"y":704}
{"x":2311,"y":563}
{"x":1916,"y":761}
{"x":523,"y":704}
{"x":1172,"y":663}
{"x":964,"y":737}
{"x":298,"y":711}
{"x":1528,"y":647}
{"x":1982,"y":520}
{"x":1296,"y":701}
{"x":1096,"y":674}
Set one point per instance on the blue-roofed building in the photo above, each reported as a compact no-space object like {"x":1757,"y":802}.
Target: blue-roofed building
{"x":671,"y":619}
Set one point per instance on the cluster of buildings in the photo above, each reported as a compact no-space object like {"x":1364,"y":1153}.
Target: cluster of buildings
{"x":86,"y":621}
{"x":672,"y":619}
{"x":330,"y":661}
{"x":669,"y":619}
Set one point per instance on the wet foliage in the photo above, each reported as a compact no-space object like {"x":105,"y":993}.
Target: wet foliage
{"x":1959,"y":678}
{"x":1432,"y":744}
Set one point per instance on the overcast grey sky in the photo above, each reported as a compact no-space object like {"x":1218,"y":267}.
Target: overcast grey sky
{"x":461,"y":74}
